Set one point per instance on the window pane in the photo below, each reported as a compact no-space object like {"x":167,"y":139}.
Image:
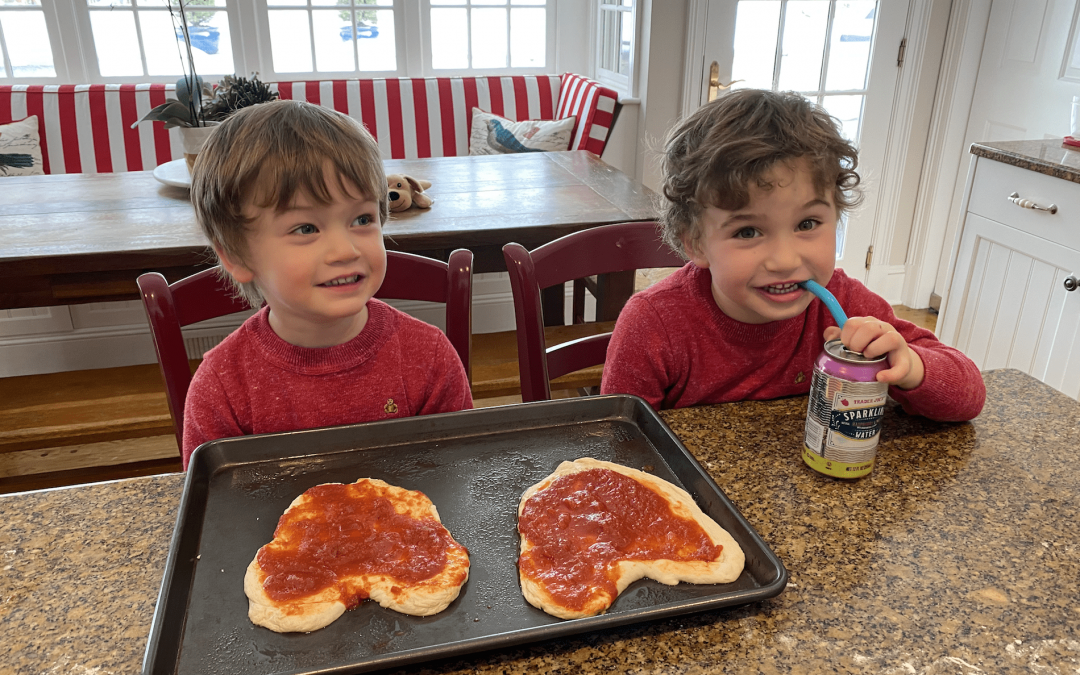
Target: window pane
{"x":624,"y":42}
{"x":286,"y":3}
{"x":290,"y":40}
{"x":116,"y":43}
{"x":528,"y":38}
{"x":376,"y":43}
{"x":333,"y":39}
{"x":449,"y":43}
{"x":161,"y":44}
{"x":609,"y":40}
{"x":28,"y":44}
{"x":756,"y":27}
{"x":101,"y":3}
{"x":527,"y":2}
{"x":489,"y":2}
{"x":489,"y":38}
{"x":847,"y":109}
{"x":849,"y":48}
{"x":803,"y":44}
{"x":211,"y":42}
{"x":456,"y":3}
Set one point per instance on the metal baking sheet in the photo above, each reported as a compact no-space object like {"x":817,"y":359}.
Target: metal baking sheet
{"x":474,"y":465}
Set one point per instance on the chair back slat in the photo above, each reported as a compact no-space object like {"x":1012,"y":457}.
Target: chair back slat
{"x":601,"y":250}
{"x":577,"y":354}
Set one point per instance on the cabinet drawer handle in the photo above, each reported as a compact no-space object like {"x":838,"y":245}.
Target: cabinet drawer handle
{"x":1071,"y":283}
{"x":1028,"y":204}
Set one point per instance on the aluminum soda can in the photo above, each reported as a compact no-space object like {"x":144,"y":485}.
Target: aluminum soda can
{"x":843,"y":416}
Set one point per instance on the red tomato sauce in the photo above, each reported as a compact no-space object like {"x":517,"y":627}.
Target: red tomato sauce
{"x":344,"y":531}
{"x":582,"y":524}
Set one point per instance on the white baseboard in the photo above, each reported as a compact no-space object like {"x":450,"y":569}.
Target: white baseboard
{"x":129,"y":344}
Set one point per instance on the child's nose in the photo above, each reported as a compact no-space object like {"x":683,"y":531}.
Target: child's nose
{"x":340,"y":246}
{"x":784,"y":257}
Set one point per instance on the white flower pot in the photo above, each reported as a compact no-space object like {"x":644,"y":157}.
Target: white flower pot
{"x":193,"y":139}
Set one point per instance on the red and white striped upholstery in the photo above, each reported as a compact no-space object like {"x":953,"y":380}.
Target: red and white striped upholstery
{"x":87,"y":128}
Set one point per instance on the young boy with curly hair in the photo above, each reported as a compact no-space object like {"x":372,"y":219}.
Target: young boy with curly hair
{"x":753,"y":186}
{"x":292,"y":196}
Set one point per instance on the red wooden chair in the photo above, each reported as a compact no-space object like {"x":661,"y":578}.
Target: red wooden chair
{"x":600,"y":250}
{"x":205,"y":295}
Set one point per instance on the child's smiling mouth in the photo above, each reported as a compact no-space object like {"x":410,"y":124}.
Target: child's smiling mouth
{"x":342,"y":281}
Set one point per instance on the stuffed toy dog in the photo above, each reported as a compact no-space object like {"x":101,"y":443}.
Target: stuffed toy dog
{"x":406,"y":191}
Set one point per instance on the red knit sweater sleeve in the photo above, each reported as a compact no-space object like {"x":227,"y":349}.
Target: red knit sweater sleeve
{"x":952,"y":389}
{"x":639,"y":355}
{"x":208,"y":413}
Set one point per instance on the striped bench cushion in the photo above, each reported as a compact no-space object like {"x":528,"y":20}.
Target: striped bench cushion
{"x":87,"y":128}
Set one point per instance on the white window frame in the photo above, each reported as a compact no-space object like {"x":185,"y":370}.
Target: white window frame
{"x":624,"y":84}
{"x":430,"y":71}
{"x":75,"y":57}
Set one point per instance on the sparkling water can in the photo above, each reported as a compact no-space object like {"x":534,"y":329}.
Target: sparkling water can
{"x":843,"y":417}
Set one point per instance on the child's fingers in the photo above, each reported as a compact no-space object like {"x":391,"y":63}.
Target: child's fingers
{"x":899,"y":367}
{"x":831,"y":333}
{"x":860,"y":332}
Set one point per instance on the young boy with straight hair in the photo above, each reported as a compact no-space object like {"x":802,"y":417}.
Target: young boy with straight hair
{"x":293,"y":196}
{"x":753,"y":186}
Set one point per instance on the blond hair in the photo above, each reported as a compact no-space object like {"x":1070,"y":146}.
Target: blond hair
{"x":264,"y":155}
{"x":713,"y":155}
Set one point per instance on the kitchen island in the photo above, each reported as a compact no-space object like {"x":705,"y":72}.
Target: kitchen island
{"x":959,"y":554}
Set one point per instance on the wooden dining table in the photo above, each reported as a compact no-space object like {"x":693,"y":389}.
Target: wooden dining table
{"x":958,"y":554}
{"x":76,"y":238}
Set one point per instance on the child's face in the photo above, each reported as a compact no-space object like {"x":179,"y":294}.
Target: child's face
{"x":316,"y":265}
{"x":758,"y":253}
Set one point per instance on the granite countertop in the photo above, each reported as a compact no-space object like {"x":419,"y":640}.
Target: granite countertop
{"x":1049,"y":156}
{"x":959,"y":554}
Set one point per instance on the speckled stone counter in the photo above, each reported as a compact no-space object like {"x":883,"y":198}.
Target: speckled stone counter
{"x":959,"y":554}
{"x":1050,"y":157}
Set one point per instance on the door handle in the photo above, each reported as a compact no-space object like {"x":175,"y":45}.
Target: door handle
{"x":714,"y":81}
{"x":1071,"y":283}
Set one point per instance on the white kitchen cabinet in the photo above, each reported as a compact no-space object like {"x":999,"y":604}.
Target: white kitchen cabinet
{"x":1008,"y":303}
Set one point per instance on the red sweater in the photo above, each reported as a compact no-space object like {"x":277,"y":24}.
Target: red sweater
{"x":255,"y":383}
{"x":673,"y":347}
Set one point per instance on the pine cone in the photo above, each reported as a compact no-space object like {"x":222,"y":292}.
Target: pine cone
{"x":234,"y":93}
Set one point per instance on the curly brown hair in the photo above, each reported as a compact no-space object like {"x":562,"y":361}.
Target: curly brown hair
{"x":265,"y":154}
{"x":713,"y":155}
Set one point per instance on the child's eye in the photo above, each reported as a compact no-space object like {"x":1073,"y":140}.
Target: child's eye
{"x":306,"y":228}
{"x":747,"y":233}
{"x":365,"y":219}
{"x":807,"y":225}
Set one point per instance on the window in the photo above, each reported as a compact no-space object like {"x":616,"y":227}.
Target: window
{"x":616,"y":43}
{"x":819,"y":48}
{"x":25,"y":45}
{"x":488,"y":34}
{"x":138,"y":38}
{"x":91,"y":41}
{"x":333,"y":36}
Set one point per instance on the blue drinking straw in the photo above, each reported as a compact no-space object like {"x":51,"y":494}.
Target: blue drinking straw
{"x":828,"y":298}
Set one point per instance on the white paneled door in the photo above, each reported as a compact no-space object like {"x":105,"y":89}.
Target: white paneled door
{"x":839,"y":53}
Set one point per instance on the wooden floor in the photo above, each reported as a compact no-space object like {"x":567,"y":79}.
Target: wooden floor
{"x":81,"y":463}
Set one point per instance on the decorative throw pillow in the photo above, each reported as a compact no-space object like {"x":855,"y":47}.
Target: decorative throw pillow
{"x":20,"y":148}
{"x":494,"y":135}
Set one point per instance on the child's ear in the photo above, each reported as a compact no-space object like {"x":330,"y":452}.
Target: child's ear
{"x":693,"y":252}
{"x":236,"y":269}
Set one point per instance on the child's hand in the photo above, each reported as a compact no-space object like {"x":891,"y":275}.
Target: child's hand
{"x":874,"y":337}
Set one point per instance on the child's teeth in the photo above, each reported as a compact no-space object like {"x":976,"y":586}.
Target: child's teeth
{"x":344,"y":280}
